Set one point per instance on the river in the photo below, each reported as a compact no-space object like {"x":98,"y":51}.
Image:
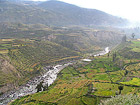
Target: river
{"x":105,"y":51}
{"x":48,"y":77}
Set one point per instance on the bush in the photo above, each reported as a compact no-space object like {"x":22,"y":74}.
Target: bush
{"x":122,"y":100}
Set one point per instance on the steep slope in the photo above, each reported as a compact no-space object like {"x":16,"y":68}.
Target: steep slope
{"x":77,"y":15}
{"x":87,"y":40}
{"x":22,"y":59}
{"x":8,"y":74}
{"x":28,"y":14}
{"x":80,"y":39}
{"x":89,"y":83}
{"x":55,"y":13}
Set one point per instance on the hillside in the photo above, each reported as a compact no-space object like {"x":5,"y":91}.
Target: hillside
{"x":38,"y":34}
{"x":8,"y":74}
{"x":31,"y":46}
{"x":91,"y":83}
{"x":23,"y":59}
{"x":15,"y":12}
{"x":55,"y":13}
{"x":76,"y":15}
{"x":81,"y":39}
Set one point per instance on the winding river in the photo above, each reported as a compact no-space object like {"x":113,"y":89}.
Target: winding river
{"x":30,"y":87}
{"x":48,"y":77}
{"x":106,"y":50}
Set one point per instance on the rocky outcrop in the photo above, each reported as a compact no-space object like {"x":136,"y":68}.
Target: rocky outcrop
{"x":8,"y":75}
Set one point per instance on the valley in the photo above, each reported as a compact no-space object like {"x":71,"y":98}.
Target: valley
{"x":93,"y":82}
{"x":47,"y":77}
{"x":56,"y":53}
{"x":28,"y":54}
{"x":18,"y":66}
{"x":30,"y":87}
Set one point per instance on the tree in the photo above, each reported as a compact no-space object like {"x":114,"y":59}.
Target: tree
{"x":9,"y":51}
{"x":120,"y":89}
{"x":133,"y":35}
{"x":126,"y":72}
{"x":90,"y":88}
{"x":124,"y":38}
{"x":114,"y":56}
{"x":39,"y":87}
{"x":45,"y":87}
{"x":108,"y":54}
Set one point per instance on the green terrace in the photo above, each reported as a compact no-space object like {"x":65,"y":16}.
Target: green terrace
{"x":89,"y":84}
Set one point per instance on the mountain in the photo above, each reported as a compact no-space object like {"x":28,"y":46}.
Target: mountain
{"x":77,"y":15}
{"x":22,"y":13}
{"x":25,"y":2}
{"x":55,"y":13}
{"x":36,"y":34}
{"x":76,"y":38}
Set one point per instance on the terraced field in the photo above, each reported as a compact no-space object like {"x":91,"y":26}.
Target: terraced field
{"x":23,"y":59}
{"x":92,"y":83}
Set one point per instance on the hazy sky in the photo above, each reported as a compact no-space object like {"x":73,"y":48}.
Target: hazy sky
{"x":129,"y":9}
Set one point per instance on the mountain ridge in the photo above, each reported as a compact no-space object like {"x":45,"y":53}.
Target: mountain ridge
{"x":62,"y":14}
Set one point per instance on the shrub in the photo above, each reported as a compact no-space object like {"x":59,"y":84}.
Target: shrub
{"x":122,"y":100}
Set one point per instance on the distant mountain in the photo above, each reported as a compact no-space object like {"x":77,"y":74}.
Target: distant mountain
{"x":25,"y":1}
{"x":77,"y":15}
{"x":13,"y":0}
{"x":54,"y":13}
{"x":22,"y":13}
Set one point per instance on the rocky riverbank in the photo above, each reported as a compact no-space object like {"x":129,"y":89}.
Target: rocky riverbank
{"x":30,"y":87}
{"x":48,"y":78}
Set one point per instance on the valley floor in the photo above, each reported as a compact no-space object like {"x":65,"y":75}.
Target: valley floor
{"x":48,"y":78}
{"x":94,"y":82}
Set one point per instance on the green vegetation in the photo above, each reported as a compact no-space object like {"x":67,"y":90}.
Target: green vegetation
{"x":36,"y":35}
{"x":22,"y":59}
{"x":61,"y":15}
{"x":81,"y":39}
{"x":92,"y":83}
{"x":134,"y":81}
{"x":122,"y":100}
{"x":28,"y":47}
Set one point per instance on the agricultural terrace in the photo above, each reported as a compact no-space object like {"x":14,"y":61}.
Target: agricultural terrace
{"x":88,"y":84}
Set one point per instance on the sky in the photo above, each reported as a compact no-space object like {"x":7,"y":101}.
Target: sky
{"x":129,"y":9}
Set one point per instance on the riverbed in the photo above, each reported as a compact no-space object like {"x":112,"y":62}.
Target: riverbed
{"x":48,"y":78}
{"x":105,"y":51}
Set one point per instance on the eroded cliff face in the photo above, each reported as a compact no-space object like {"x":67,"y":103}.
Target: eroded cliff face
{"x":105,"y":38}
{"x":9,"y":75}
{"x":88,"y":40}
